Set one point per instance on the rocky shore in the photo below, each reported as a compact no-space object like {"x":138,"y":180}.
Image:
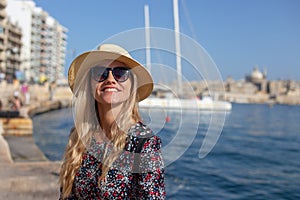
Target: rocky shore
{"x":25,"y":172}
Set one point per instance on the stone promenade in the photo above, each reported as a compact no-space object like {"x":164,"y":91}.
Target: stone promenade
{"x":29,"y":180}
{"x":25,"y":173}
{"x":29,"y":175}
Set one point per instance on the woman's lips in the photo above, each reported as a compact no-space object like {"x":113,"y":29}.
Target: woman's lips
{"x":110,"y":89}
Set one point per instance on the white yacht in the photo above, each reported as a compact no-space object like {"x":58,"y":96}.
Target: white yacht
{"x":206,"y":103}
{"x":171,"y":101}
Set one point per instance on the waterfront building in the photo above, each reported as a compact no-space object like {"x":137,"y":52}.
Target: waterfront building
{"x":13,"y":46}
{"x":44,"y":41}
{"x":241,"y":86}
{"x":258,"y":79}
{"x":10,"y":46}
{"x":2,"y":25}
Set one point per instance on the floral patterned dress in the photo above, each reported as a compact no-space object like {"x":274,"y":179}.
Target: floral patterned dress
{"x":137,"y":173}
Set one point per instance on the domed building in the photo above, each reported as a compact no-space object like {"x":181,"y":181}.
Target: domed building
{"x":258,"y":79}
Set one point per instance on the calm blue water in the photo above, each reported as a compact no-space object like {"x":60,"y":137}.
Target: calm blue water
{"x":256,"y":157}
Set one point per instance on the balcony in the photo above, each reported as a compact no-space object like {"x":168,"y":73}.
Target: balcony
{"x":2,"y":13}
{"x":14,"y":41}
{"x":2,"y":4}
{"x":2,"y":55}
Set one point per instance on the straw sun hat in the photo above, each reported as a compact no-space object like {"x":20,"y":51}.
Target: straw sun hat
{"x":82,"y":64}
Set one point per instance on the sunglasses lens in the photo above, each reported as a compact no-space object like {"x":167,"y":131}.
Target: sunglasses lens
{"x":99,"y":73}
{"x":121,"y":74}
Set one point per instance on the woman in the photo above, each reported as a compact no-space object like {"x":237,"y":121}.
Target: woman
{"x":111,"y":154}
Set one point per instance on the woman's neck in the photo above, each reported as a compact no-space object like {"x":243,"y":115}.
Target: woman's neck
{"x":108,"y":115}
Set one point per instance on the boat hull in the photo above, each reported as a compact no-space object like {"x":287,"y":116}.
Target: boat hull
{"x":186,"y":104}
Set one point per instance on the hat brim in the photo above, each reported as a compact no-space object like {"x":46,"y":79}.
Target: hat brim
{"x":87,"y":60}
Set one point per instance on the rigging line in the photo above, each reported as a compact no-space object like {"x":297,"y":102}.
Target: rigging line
{"x":158,"y":57}
{"x":190,"y":24}
{"x":152,"y":52}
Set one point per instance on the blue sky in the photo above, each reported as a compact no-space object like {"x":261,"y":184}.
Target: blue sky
{"x":237,"y":34}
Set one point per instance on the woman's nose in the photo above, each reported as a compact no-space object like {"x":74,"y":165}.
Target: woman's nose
{"x":110,"y":77}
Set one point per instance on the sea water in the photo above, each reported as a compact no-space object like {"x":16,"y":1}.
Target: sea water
{"x":257,"y":155}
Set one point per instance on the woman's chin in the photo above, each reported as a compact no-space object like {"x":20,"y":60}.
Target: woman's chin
{"x":111,"y":102}
{"x":112,"y":99}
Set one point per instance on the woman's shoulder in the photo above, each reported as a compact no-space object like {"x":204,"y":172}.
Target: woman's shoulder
{"x":140,"y":130}
{"x":141,"y":138}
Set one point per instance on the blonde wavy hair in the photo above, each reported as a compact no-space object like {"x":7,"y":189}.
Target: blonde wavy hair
{"x":87,"y":123}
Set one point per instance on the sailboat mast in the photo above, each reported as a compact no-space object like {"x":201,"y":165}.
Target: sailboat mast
{"x":177,"y":44}
{"x":147,"y":37}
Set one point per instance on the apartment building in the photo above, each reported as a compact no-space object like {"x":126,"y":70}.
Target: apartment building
{"x":2,"y":28}
{"x":13,"y":46}
{"x":10,"y":46}
{"x":44,"y":41}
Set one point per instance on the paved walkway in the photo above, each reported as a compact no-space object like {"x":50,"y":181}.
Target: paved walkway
{"x":25,"y":173}
{"x":24,"y":149}
{"x":28,"y":176}
{"x":5,"y":156}
{"x":29,"y":181}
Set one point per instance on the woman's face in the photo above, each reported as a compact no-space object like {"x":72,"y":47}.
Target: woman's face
{"x":110,"y":91}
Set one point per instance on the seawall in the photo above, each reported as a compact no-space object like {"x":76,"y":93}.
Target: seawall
{"x":25,"y":172}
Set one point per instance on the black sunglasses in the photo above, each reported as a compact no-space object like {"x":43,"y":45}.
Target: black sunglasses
{"x":120,"y":74}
